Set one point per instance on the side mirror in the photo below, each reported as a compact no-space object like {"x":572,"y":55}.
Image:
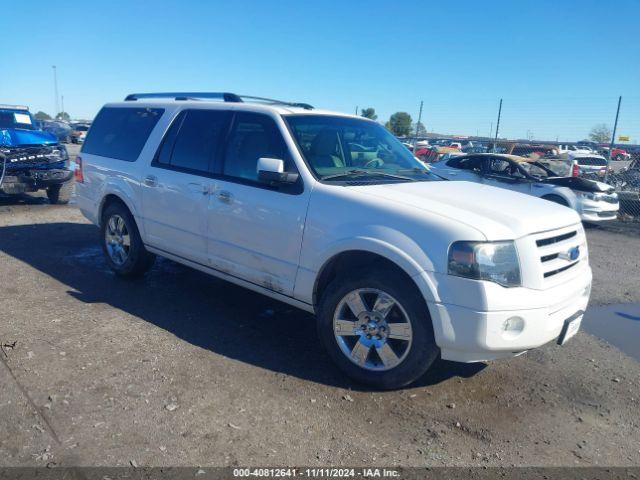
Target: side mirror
{"x":271,"y":171}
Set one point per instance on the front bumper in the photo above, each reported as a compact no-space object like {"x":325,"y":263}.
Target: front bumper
{"x":32,"y":180}
{"x":597,"y":211}
{"x":468,"y":335}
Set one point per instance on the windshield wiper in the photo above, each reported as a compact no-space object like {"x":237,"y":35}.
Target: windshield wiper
{"x":358,"y":173}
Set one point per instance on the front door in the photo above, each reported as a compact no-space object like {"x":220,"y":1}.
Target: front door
{"x":254,"y":230}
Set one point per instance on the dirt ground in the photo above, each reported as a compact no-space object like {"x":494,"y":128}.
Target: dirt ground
{"x":182,"y":369}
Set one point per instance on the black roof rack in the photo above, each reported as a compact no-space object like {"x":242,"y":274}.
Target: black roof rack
{"x":224,"y":96}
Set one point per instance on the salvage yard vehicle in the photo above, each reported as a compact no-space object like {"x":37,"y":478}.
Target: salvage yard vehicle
{"x":594,"y":201}
{"x":31,"y":159}
{"x":79,"y":132}
{"x":332,"y":214}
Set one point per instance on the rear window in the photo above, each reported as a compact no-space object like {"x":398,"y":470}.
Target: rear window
{"x":121,"y":133}
{"x":592,"y":161}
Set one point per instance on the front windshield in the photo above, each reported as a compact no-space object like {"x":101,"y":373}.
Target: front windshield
{"x":343,"y":149}
{"x":537,"y":170}
{"x":16,"y":119}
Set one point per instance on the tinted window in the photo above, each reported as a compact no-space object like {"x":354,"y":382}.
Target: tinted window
{"x":591,"y":161}
{"x":121,"y":132}
{"x":198,"y":139}
{"x":253,"y":136}
{"x":471,"y":163}
{"x":166,"y":148}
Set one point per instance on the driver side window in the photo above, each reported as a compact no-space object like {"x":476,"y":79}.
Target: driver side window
{"x":253,"y":136}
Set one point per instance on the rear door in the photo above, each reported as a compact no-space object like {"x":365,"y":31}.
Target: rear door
{"x":178,"y":183}
{"x":254,"y":230}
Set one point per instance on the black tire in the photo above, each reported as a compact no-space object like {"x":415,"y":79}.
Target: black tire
{"x":556,"y":199}
{"x":138,"y":259}
{"x":422,"y":351}
{"x":60,"y":194}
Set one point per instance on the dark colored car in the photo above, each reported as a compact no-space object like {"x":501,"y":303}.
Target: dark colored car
{"x":32,"y":159}
{"x":60,"y":130}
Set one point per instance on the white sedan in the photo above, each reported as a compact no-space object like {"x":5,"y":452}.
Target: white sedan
{"x":594,"y":201}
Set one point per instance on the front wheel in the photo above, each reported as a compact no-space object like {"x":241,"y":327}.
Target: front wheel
{"x":377,"y":328}
{"x":60,"y":194}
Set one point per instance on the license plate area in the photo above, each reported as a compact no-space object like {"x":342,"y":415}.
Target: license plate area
{"x":570,"y":327}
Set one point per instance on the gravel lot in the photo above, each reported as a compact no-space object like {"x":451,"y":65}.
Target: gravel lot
{"x":182,"y":369}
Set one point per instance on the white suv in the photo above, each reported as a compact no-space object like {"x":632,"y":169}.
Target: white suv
{"x":330,"y":213}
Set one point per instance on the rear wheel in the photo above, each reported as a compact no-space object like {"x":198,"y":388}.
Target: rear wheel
{"x":377,"y":328}
{"x":60,"y":194}
{"x":122,"y":244}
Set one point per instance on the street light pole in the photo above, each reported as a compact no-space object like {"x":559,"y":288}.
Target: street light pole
{"x":613,"y":139}
{"x":55,"y":90}
{"x":415,"y":142}
{"x":497,"y":127}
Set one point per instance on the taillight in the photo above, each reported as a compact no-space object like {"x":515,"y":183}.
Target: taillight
{"x":575,"y":169}
{"x":77,"y":171}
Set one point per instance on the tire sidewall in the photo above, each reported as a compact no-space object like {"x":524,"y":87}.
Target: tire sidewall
{"x":136,"y":248}
{"x":423,"y":350}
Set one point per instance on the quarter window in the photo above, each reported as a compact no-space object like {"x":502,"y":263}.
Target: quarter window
{"x":121,"y":133}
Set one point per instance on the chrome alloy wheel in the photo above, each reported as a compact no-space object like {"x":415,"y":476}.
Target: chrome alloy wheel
{"x":117,"y":240}
{"x":372,"y":329}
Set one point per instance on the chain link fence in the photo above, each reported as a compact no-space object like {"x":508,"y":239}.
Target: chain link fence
{"x":557,"y":131}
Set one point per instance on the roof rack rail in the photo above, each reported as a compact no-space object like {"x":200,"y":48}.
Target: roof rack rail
{"x":224,"y":96}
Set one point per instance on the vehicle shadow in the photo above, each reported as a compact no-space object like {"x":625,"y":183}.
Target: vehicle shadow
{"x":23,"y":199}
{"x":199,"y":309}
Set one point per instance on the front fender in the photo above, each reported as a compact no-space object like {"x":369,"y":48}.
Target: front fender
{"x":396,"y":247}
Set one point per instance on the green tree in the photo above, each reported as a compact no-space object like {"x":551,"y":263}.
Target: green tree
{"x":63,"y":116}
{"x":369,"y":113}
{"x":601,"y":133}
{"x":399,"y":124}
{"x":40,"y":115}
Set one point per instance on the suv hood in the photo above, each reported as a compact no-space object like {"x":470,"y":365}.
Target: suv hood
{"x":496,"y":213}
{"x":17,"y":137}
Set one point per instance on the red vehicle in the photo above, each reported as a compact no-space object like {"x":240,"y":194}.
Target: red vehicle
{"x":617,"y":153}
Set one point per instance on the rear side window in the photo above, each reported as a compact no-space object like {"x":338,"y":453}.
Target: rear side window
{"x":121,"y":133}
{"x":193,"y":140}
{"x":592,"y":161}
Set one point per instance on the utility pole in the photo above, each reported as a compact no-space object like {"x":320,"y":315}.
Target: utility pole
{"x":497,"y":127}
{"x":415,"y":142}
{"x":62,"y":100}
{"x":55,"y":90}
{"x":491,"y":130}
{"x":613,"y":138}
{"x":356,"y":110}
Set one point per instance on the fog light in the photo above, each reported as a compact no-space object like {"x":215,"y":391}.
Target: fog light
{"x":512,"y":327}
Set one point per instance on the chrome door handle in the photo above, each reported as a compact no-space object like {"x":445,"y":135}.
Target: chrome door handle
{"x":151,"y":181}
{"x":225,"y":197}
{"x":198,"y":188}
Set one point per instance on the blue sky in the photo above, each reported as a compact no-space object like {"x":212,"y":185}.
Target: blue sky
{"x":559,"y":65}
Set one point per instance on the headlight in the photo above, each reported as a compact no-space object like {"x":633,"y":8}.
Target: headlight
{"x":588,"y":195}
{"x":492,"y":261}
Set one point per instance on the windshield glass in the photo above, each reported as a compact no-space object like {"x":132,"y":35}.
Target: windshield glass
{"x":338,"y":148}
{"x":16,"y":119}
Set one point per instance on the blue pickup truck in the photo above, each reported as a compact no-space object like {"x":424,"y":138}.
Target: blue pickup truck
{"x":31,"y":159}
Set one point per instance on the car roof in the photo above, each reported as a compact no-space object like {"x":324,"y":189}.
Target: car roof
{"x":280,"y":109}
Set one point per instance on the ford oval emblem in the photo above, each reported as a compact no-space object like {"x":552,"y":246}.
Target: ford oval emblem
{"x":574,"y":253}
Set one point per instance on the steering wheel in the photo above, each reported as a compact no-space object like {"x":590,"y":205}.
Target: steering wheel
{"x":374,"y":162}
